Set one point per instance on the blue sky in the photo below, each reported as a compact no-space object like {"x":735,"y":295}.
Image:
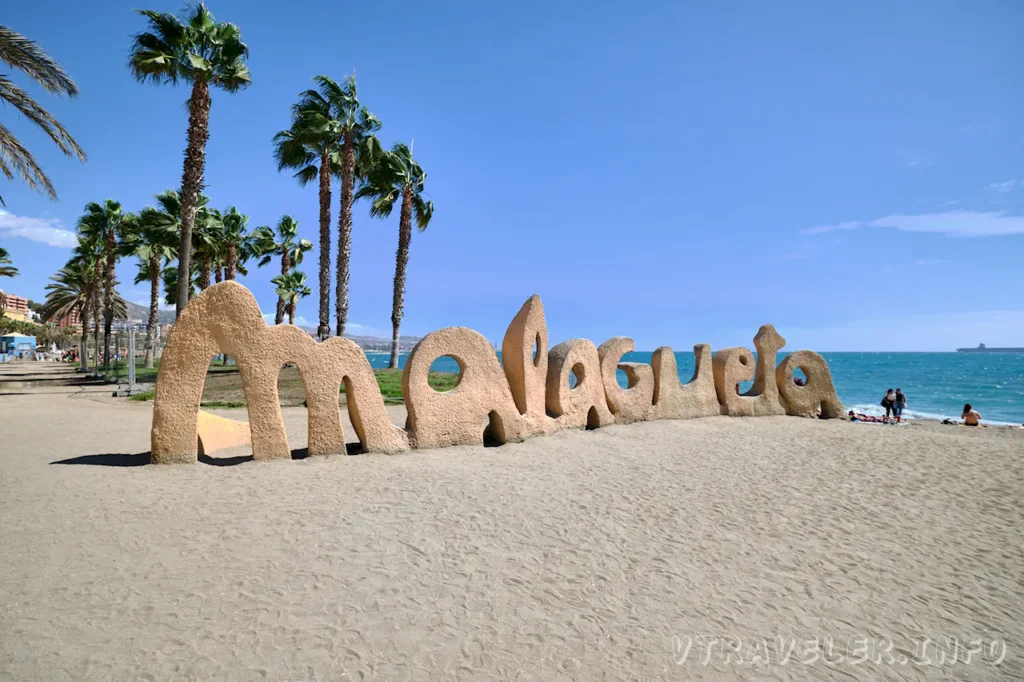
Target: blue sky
{"x":674,"y":172}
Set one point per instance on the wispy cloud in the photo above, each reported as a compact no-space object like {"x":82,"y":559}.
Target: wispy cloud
{"x":975,"y":129}
{"x":300,"y":321}
{"x":48,"y":231}
{"x":821,"y":229}
{"x":949,"y":223}
{"x":914,"y":159}
{"x":1001,"y":187}
{"x":925,"y":262}
{"x":956,"y":223}
{"x":360,"y":329}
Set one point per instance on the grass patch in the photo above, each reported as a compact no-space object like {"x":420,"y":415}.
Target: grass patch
{"x":223,"y":387}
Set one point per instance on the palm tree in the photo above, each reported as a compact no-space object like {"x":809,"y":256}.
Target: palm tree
{"x":6,"y":270}
{"x":398,"y":176}
{"x":199,"y":50}
{"x":290,"y":288}
{"x":358,"y":143}
{"x":68,"y":295}
{"x":238,"y":245}
{"x":169,"y":215}
{"x":285,"y":244}
{"x":106,"y":223}
{"x":311,"y":147}
{"x":89,"y":253}
{"x":154,"y":242}
{"x":207,"y":242}
{"x":20,"y":53}
{"x":170,"y":281}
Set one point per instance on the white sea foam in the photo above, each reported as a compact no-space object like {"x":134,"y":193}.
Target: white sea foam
{"x":879,"y":411}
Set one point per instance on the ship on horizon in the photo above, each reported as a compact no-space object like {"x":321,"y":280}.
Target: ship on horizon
{"x":982,"y":348}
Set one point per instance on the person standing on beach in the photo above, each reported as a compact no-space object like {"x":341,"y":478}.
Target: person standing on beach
{"x":901,"y":402}
{"x":888,"y":402}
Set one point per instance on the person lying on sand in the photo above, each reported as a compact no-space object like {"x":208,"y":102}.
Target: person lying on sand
{"x":866,"y":418}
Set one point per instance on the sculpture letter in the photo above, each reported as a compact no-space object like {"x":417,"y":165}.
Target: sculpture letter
{"x":675,"y":400}
{"x":585,"y":404}
{"x":803,"y":401}
{"x":225,"y":318}
{"x":733,"y":365}
{"x":632,"y":404}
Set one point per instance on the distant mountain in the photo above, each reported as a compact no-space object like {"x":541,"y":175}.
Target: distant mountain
{"x":374,"y":343}
{"x":140,"y":313}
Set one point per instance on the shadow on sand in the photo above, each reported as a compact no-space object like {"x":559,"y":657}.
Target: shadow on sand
{"x":143,"y":458}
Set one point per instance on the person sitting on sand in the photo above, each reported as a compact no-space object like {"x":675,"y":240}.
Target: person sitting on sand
{"x":970,"y":416}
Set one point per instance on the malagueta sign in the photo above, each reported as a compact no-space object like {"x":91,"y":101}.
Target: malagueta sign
{"x":528,"y":396}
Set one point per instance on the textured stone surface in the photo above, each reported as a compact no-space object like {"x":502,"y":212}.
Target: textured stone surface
{"x":524,"y":355}
{"x":217,"y":433}
{"x":529,"y":396}
{"x":676,"y":400}
{"x":818,"y":391}
{"x":733,"y":365}
{"x":458,"y":416}
{"x":226,"y":318}
{"x":585,"y":404}
{"x":636,"y":402}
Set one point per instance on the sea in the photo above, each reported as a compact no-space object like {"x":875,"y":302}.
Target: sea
{"x":936,"y":384}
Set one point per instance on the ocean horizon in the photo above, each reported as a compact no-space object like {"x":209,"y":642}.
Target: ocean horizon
{"x":936,"y":384}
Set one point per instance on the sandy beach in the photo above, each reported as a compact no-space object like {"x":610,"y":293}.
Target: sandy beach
{"x":639,"y":552}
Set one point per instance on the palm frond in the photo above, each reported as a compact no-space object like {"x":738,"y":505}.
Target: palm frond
{"x":25,"y":55}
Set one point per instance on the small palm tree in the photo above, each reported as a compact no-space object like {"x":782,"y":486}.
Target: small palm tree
{"x":154,"y":242}
{"x":74,"y":289}
{"x":20,"y":53}
{"x":238,"y":245}
{"x":396,"y":177}
{"x":208,"y":242}
{"x":6,"y":270}
{"x":89,"y":254}
{"x":285,"y":244}
{"x":290,"y":288}
{"x":199,"y":50}
{"x":104,"y":224}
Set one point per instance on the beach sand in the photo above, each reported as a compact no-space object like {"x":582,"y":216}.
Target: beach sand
{"x":584,"y":556}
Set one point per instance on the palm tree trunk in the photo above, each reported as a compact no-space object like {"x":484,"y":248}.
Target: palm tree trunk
{"x":83,"y":349}
{"x":285,"y":267}
{"x":348,"y":168}
{"x":205,"y":265}
{"x":192,"y":183}
{"x":324,"y":329}
{"x":96,"y":335}
{"x":218,"y":273}
{"x":232,"y":260}
{"x":108,"y":294}
{"x":291,"y":313}
{"x":401,"y":262}
{"x":154,"y":306}
{"x":97,"y":290}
